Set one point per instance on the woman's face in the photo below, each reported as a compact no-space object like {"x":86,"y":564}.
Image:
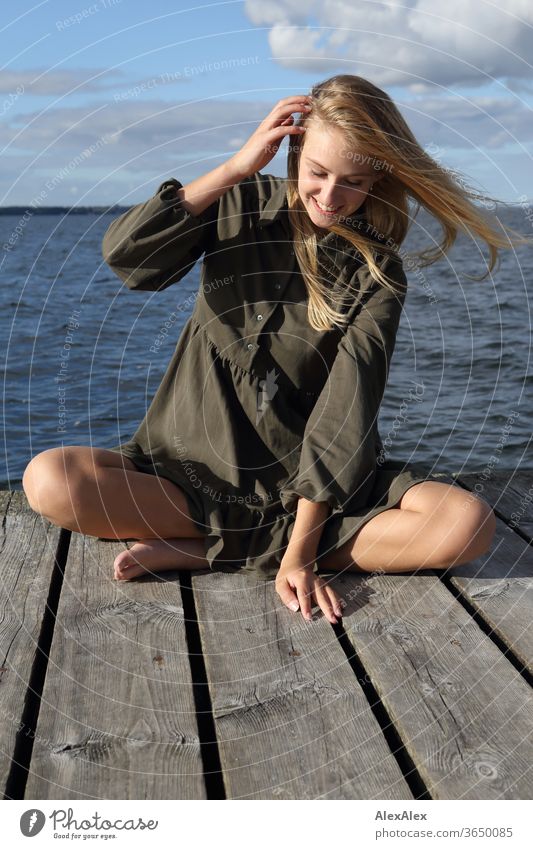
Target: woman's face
{"x":332,"y":176}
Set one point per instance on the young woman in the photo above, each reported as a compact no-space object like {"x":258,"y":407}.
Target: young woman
{"x":260,"y":449}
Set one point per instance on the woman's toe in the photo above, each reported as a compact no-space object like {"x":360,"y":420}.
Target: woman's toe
{"x":123,"y":559}
{"x":123,"y":564}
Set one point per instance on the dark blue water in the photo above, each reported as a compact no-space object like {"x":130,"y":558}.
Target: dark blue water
{"x":78,"y":369}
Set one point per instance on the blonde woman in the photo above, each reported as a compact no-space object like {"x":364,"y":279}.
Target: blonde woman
{"x":260,"y":450}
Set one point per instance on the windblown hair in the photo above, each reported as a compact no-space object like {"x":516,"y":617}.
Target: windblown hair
{"x":375,"y":131}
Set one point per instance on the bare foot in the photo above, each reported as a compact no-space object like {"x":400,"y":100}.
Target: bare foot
{"x":157,"y":555}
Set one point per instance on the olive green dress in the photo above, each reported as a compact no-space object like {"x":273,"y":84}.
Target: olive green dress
{"x":257,"y":408}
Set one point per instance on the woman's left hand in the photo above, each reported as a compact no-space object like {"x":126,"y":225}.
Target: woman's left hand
{"x":297,"y":585}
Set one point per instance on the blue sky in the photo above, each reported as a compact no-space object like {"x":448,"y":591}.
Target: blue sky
{"x":100,"y":101}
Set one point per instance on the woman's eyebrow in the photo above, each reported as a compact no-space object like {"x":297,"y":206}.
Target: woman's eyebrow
{"x":354,"y":174}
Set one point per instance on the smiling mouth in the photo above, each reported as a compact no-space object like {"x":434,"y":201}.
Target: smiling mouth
{"x":327,"y":212}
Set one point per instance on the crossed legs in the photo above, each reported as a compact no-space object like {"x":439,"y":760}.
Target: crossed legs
{"x":101,"y":493}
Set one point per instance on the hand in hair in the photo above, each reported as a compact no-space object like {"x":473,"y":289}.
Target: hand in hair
{"x":264,"y":143}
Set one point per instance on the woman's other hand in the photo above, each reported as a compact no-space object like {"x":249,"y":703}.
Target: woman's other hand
{"x":264,"y":143}
{"x":297,"y":586}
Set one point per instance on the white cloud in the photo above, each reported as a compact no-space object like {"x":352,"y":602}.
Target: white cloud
{"x":415,"y":43}
{"x":292,"y":46}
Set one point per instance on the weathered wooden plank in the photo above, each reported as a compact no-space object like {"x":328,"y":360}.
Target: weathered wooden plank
{"x":27,"y":555}
{"x":118,"y":710}
{"x":499,"y":585}
{"x":509,"y":492}
{"x":291,"y":719}
{"x":462,"y":710}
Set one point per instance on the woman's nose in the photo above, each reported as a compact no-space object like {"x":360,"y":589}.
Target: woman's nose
{"x":329,"y":196}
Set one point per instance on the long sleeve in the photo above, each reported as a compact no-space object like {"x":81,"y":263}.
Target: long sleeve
{"x":155,"y":243}
{"x":337,"y":462}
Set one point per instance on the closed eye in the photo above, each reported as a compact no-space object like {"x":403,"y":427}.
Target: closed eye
{"x":349,"y":182}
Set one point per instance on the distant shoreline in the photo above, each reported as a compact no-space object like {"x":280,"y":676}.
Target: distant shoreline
{"x":58,"y":210}
{"x":113,"y":210}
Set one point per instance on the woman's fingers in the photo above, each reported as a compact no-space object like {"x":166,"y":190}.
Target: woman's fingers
{"x":324,"y":602}
{"x":287,"y":594}
{"x":290,"y":111}
{"x":304,"y":597}
{"x":335,"y":600}
{"x":292,"y":97}
{"x":298,"y":592}
{"x":264,"y":142}
{"x":278,"y":133}
{"x":283,"y":110}
{"x":292,"y":103}
{"x":302,"y":582}
{"x":294,"y":106}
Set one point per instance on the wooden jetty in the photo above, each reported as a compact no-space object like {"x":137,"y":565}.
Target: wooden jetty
{"x":201,"y":685}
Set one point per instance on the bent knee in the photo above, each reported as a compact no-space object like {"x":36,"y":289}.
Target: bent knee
{"x":482,"y":522}
{"x":468,"y":531}
{"x":52,"y":482}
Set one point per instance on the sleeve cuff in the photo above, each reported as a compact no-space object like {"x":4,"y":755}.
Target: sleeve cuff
{"x":289,"y":499}
{"x":168,"y":190}
{"x":342,"y":499}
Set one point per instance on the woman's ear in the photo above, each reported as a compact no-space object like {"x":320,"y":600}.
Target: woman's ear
{"x":375,"y":180}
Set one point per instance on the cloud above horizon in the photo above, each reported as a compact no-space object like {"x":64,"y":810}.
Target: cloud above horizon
{"x":415,"y":45}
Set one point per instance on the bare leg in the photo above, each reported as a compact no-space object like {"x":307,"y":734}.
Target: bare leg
{"x":436,"y":525}
{"x":102,"y":493}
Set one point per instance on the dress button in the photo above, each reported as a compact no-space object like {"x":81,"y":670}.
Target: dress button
{"x":259,"y":317}
{"x":250,"y":346}
{"x":277,"y":285}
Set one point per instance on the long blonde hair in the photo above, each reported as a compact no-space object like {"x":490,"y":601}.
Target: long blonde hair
{"x":373,"y":128}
